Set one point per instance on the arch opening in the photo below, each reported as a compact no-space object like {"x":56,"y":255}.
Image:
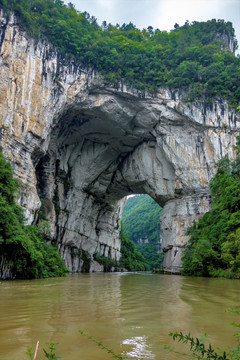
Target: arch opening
{"x":141,"y":224}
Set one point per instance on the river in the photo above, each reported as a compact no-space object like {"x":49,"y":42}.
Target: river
{"x":129,"y":312}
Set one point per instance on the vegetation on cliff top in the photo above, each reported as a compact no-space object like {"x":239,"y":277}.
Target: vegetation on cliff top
{"x":24,"y":250}
{"x":192,"y":57}
{"x":214,"y":245}
{"x":140,"y":220}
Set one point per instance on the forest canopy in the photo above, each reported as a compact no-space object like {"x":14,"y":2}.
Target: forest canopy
{"x":194,"y":57}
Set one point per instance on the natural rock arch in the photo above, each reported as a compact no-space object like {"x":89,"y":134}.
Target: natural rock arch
{"x":82,"y":145}
{"x":114,"y":144}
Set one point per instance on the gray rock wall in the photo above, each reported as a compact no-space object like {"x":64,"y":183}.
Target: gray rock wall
{"x":80,"y":146}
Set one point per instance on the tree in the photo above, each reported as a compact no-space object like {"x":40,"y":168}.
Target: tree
{"x":231,"y":251}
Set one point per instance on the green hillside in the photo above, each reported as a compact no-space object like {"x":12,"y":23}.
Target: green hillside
{"x":214,"y":245}
{"x":192,"y":57}
{"x":140,"y":221}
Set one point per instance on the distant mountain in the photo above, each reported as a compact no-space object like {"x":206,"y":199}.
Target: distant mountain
{"x":140,"y":221}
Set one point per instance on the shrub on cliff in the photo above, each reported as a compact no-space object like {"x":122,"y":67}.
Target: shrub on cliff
{"x":23,"y":249}
{"x":214,"y":245}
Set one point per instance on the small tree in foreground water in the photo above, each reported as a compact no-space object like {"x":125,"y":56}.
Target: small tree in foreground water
{"x":198,"y":350}
{"x":49,"y":353}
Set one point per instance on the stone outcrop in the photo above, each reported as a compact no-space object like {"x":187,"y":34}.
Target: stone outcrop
{"x":80,"y":146}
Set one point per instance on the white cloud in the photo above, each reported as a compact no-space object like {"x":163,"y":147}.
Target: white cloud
{"x":105,"y":4}
{"x":162,"y":14}
{"x":179,"y":11}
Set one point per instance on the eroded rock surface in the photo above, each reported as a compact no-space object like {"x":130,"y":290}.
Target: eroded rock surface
{"x":79,"y":146}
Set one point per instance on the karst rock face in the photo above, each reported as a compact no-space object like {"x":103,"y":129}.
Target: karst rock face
{"x":80,"y":146}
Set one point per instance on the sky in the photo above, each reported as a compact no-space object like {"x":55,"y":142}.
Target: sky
{"x":161,"y":14}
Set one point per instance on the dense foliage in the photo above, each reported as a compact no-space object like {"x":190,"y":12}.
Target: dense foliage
{"x":192,"y":57}
{"x":131,"y":259}
{"x":214,"y":245}
{"x":140,"y":220}
{"x":23,"y":249}
{"x":152,"y":255}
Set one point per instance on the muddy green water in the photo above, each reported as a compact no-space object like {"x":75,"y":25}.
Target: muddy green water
{"x":131,"y":313}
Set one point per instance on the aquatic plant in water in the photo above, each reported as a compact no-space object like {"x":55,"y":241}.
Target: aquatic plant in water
{"x":198,"y":350}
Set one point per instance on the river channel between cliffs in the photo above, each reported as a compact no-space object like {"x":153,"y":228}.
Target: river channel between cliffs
{"x":132,"y":313}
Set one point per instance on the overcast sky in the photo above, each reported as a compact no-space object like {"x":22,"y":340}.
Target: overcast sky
{"x":161,"y":14}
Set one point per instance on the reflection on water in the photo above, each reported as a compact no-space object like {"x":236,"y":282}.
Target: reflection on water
{"x":139,"y":348}
{"x":130,"y":313}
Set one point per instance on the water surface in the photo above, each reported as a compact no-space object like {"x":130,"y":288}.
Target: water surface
{"x":130,"y":312}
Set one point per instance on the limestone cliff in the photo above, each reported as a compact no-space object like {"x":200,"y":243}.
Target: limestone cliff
{"x":80,"y":146}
